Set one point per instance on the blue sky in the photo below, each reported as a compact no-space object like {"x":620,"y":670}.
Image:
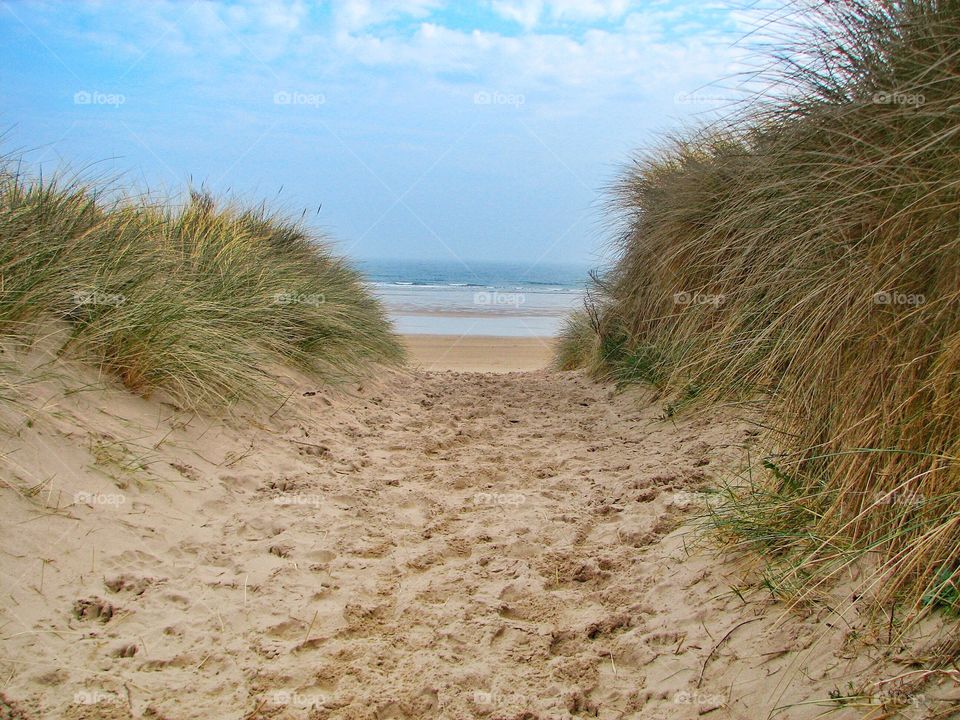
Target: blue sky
{"x":427,"y":129}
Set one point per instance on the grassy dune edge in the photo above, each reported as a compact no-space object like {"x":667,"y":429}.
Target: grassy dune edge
{"x":195,"y":299}
{"x":808,"y":251}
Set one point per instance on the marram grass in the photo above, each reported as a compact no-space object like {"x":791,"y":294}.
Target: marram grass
{"x":808,"y":250}
{"x":201,"y":301}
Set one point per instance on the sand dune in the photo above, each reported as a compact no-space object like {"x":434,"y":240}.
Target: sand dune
{"x":432,"y":545}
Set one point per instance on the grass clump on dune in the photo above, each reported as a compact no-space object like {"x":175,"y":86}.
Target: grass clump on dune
{"x":808,"y":249}
{"x":197,"y":300}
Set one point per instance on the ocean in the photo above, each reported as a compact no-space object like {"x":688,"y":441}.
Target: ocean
{"x":476,"y":298}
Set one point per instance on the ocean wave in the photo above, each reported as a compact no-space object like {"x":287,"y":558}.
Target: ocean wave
{"x":426,"y":285}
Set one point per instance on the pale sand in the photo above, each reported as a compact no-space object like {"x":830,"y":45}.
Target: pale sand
{"x":430,"y":545}
{"x":479,"y":354}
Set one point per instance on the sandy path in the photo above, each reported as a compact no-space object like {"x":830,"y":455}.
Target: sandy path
{"x":439,"y":545}
{"x":468,"y":353}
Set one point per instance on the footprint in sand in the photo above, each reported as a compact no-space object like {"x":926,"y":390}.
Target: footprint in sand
{"x":94,"y":609}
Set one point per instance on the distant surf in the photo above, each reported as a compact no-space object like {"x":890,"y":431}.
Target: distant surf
{"x":476,"y":298}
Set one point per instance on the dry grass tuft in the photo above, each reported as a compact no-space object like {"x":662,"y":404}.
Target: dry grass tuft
{"x":809,"y":250}
{"x":197,"y":299}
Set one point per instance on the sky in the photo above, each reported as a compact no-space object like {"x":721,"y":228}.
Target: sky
{"x":421,"y":129}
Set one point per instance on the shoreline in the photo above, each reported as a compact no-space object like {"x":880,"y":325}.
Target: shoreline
{"x":503,"y":311}
{"x":478,"y":353}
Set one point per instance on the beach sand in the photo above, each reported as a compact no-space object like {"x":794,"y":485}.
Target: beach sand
{"x":422,"y":545}
{"x":478,"y":353}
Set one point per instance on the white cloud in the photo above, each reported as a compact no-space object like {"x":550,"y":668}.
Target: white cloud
{"x":353,"y":15}
{"x":523,"y":12}
{"x":285,"y":41}
{"x":587,"y":10}
{"x":605,"y":60}
{"x":530,"y":13}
